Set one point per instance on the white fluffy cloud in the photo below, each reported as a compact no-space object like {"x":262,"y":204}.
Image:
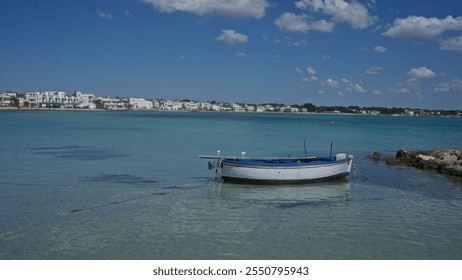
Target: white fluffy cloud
{"x":311,"y":70}
{"x":380,"y":49}
{"x":355,"y":88}
{"x":453,"y":85}
{"x":352,"y":87}
{"x":291,"y":22}
{"x":330,"y":83}
{"x":296,"y":42}
{"x":232,"y":8}
{"x":422,"y":27}
{"x":452,"y":44}
{"x":354,"y":13}
{"x":310,"y":79}
{"x":232,"y":37}
{"x":408,"y":86}
{"x":421,"y":73}
{"x":377,"y":92}
{"x":374,"y":70}
{"x":103,"y":14}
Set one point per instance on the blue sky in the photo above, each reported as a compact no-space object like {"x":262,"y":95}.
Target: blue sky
{"x":404,"y":53}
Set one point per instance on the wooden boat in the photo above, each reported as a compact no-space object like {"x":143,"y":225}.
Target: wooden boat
{"x":280,"y":170}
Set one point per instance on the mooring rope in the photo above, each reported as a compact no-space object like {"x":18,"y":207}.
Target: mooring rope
{"x":357,"y":171}
{"x":218,"y":177}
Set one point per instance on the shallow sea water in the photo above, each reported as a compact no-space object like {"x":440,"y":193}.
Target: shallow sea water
{"x":128,"y":185}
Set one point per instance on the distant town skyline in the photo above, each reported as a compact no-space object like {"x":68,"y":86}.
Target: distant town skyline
{"x":325,"y":52}
{"x":80,"y":100}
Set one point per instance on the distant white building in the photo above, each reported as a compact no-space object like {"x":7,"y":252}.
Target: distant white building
{"x":52,"y":99}
{"x":140,"y":103}
{"x":237,"y":107}
{"x":206,"y":106}
{"x":6,"y":99}
{"x":269,"y":108}
{"x":190,"y":105}
{"x":156,"y":103}
{"x":170,"y":105}
{"x":85,"y":100}
{"x":250,"y":108}
{"x":409,"y":113}
{"x":108,"y":103}
{"x":211,"y":106}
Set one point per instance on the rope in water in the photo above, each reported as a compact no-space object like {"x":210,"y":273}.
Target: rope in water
{"x":357,"y":171}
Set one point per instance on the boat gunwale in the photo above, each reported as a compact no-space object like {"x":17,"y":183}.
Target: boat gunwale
{"x":257,"y":158}
{"x":293,"y":165}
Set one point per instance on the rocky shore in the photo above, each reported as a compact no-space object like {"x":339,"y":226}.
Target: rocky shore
{"x":445,"y":161}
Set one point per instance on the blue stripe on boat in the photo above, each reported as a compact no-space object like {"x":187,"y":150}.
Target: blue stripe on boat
{"x":282,"y":162}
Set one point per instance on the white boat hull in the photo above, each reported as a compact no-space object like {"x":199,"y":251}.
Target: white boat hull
{"x":235,"y":172}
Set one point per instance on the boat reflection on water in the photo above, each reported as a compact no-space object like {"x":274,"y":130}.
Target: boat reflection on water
{"x":286,"y":196}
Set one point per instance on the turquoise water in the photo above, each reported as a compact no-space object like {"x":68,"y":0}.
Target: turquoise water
{"x":128,"y":185}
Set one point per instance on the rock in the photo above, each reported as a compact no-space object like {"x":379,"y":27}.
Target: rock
{"x":403,"y":158}
{"x":425,"y":158}
{"x":374,"y":156}
{"x":403,"y":154}
{"x":453,"y":170}
{"x":448,"y":162}
{"x":428,"y":162}
{"x":447,"y":156}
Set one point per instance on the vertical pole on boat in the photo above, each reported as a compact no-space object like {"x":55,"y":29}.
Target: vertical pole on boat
{"x":304,"y":145}
{"x":331,"y":149}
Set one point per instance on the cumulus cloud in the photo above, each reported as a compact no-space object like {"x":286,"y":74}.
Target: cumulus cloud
{"x":352,"y":87}
{"x":311,"y":71}
{"x":422,"y":27}
{"x":233,"y":8}
{"x":103,"y":14}
{"x":296,"y":42}
{"x":408,"y":86}
{"x":380,"y":49}
{"x":321,"y":26}
{"x":374,"y":70}
{"x":355,"y":88}
{"x":453,"y":85}
{"x":354,"y":13}
{"x":330,"y":83}
{"x":421,"y":73}
{"x":310,"y":79}
{"x":291,"y":22}
{"x":452,"y":44}
{"x":232,"y":37}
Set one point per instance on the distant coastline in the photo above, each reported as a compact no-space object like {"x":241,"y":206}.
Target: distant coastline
{"x":78,"y":101}
{"x":429,"y":113}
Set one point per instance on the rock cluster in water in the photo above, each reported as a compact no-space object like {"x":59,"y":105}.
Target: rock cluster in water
{"x":447,"y":162}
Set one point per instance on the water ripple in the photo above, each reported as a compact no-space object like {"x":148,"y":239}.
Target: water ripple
{"x":126,"y":179}
{"x":78,"y":152}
